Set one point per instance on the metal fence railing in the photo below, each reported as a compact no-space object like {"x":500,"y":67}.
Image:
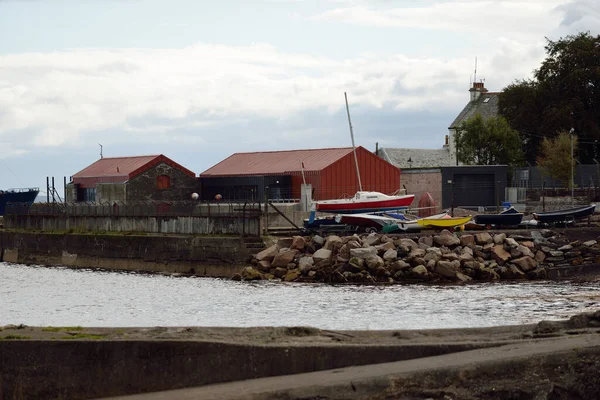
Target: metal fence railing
{"x":137,"y":209}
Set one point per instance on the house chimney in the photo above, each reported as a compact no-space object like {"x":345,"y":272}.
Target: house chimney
{"x":477,"y":89}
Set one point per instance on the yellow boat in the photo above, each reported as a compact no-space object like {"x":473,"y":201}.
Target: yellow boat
{"x":443,"y":222}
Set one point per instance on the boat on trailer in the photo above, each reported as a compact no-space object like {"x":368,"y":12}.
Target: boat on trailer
{"x":571,"y":214}
{"x":365,"y":202}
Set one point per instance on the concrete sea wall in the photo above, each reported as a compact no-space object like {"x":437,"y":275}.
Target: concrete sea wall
{"x":91,"y":369}
{"x":200,"y":225}
{"x":202,"y":256}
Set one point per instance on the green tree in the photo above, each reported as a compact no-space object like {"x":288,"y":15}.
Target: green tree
{"x":563,"y":94}
{"x":488,"y":142}
{"x":555,"y":158}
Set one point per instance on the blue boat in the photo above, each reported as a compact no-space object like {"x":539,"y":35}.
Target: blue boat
{"x":565,"y":215}
{"x":510,"y":217}
{"x":23,"y":196}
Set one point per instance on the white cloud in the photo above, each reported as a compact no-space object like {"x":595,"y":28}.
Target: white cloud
{"x":55,"y":99}
{"x":503,"y":17}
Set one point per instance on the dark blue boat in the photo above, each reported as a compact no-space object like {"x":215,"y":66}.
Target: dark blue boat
{"x":510,"y":217}
{"x":565,"y":215}
{"x":24,"y":196}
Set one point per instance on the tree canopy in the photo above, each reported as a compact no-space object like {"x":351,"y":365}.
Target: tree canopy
{"x":563,"y":94}
{"x":555,"y":158}
{"x":487,"y":142}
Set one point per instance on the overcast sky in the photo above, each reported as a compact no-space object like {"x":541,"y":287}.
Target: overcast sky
{"x":198,"y":80}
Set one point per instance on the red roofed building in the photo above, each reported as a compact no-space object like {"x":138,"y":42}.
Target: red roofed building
{"x":331,"y":172}
{"x":154,"y":177}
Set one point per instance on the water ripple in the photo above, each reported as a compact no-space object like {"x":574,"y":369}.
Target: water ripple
{"x":44,"y":296}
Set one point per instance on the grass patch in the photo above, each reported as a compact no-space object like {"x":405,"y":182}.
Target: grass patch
{"x":84,"y":336}
{"x":14,"y":337}
{"x":61,"y":328}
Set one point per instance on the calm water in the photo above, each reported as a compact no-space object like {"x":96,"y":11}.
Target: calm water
{"x":60,"y":296}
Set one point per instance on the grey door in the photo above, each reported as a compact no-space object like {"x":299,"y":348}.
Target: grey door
{"x":472,"y":190}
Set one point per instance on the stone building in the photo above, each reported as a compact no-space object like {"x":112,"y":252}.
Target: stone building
{"x":153,"y":177}
{"x":422,"y":168}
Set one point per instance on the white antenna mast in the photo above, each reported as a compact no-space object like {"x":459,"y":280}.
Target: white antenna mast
{"x":475,"y":80}
{"x":100,"y":150}
{"x":353,"y":148}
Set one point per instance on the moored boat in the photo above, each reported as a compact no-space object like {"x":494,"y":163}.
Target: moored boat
{"x":510,"y":217}
{"x":365,"y":202}
{"x":24,"y":196}
{"x":570,"y":214}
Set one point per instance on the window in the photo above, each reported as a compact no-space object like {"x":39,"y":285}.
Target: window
{"x":486,"y":100}
{"x":163,"y":182}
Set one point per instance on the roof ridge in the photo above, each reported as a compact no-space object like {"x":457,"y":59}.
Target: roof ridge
{"x":114,"y":158}
{"x":293,"y":151}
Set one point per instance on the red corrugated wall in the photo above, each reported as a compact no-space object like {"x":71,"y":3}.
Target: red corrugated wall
{"x":339,"y":179}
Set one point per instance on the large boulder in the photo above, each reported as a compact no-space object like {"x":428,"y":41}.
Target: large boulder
{"x":305,"y":264}
{"x":416,"y":253}
{"x":399,"y":265}
{"x":427,"y":240}
{"x":284,"y":258}
{"x":420,"y":270}
{"x":344,"y":253}
{"x":333,"y":242}
{"x":525,"y":263}
{"x":384,"y":247}
{"x":285,"y":242}
{"x":322,"y":254}
{"x":526,"y":251}
{"x":390,"y":255}
{"x":500,"y":255}
{"x":374,"y":262}
{"x":540,"y":256}
{"x":280,"y":272}
{"x":463,"y":278}
{"x":445,"y":268}
{"x":512,"y":243}
{"x":264,"y":266}
{"x":250,"y":274}
{"x":467,"y":240}
{"x":292,"y":275}
{"x":433,"y":253}
{"x":372,"y":240}
{"x":358,"y":264}
{"x":363,"y":252}
{"x":298,"y":243}
{"x":411,"y":244}
{"x":268,"y":254}
{"x":446,"y":238}
{"x":499,"y":238}
{"x":483,"y":238}
{"x":319,"y":241}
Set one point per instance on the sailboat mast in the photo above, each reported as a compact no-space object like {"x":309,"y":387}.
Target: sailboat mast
{"x":353,"y":147}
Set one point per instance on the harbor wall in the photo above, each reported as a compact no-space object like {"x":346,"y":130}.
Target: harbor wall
{"x":201,"y":256}
{"x":198,"y":225}
{"x":76,"y":369}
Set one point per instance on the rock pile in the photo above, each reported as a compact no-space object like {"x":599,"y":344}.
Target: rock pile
{"x":442,"y":257}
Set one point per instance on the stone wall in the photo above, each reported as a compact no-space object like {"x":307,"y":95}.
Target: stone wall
{"x":418,"y":182}
{"x":202,"y":256}
{"x":111,"y":192}
{"x":144,"y":186}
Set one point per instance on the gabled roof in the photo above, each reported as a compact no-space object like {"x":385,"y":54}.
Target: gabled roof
{"x":277,"y":162}
{"x":486,"y":105}
{"x":420,"y":158}
{"x":121,"y":169}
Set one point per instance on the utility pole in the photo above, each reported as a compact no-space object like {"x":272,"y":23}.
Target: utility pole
{"x":572,"y":171}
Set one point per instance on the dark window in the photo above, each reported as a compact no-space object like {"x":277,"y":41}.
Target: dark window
{"x":163,"y":182}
